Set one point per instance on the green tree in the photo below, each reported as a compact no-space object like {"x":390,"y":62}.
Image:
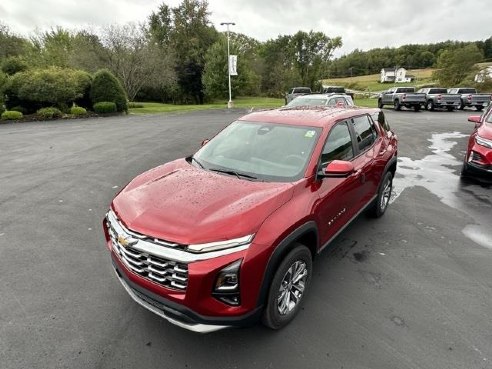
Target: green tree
{"x":215,"y":75}
{"x":186,"y":29}
{"x":10,"y":44}
{"x":106,"y":88}
{"x":311,"y":53}
{"x":455,"y":65}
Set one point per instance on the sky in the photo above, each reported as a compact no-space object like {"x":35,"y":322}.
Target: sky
{"x":362,"y":24}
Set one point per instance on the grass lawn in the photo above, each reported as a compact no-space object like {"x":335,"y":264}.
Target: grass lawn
{"x":240,"y":102}
{"x":369,"y":103}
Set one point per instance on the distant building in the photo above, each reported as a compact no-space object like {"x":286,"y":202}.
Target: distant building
{"x":483,"y":75}
{"x":396,"y":75}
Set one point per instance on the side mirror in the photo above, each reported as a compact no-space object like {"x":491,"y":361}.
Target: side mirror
{"x":338,"y":169}
{"x":205,"y":141}
{"x":477,"y":119}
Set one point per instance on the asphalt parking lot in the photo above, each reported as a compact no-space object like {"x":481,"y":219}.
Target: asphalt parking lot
{"x":410,"y":290}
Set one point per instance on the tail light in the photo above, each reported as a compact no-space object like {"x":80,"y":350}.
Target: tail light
{"x":469,"y":97}
{"x":404,"y":96}
{"x":439,"y":97}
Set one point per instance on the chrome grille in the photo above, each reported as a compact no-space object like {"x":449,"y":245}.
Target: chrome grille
{"x":169,"y":273}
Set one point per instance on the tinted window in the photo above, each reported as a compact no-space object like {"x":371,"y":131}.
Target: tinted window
{"x":366,"y":133}
{"x":338,"y":146}
{"x":467,"y":91}
{"x":438,"y":91}
{"x":406,"y":89}
{"x":302,"y":91}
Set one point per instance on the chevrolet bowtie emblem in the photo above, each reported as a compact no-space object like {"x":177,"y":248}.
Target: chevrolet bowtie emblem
{"x":126,"y":241}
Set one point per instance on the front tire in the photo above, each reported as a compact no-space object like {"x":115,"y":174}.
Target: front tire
{"x":288,"y":287}
{"x":384,"y":195}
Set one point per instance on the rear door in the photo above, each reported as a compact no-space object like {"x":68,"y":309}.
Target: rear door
{"x":369,"y":161}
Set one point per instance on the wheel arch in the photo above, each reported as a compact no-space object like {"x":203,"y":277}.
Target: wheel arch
{"x":306,"y":234}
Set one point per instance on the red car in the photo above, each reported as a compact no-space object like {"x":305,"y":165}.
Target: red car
{"x":478,"y":158}
{"x":227,"y":236}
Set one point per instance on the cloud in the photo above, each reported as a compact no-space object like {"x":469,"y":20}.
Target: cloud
{"x":361,"y":24}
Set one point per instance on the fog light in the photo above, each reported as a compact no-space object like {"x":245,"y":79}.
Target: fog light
{"x":226,"y":286}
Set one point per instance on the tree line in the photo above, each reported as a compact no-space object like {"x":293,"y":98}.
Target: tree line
{"x":178,"y":56}
{"x":358,"y":62}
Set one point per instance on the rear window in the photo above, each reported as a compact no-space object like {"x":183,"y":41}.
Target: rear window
{"x":438,"y":91}
{"x":467,"y":91}
{"x":302,"y":90}
{"x":406,"y":89}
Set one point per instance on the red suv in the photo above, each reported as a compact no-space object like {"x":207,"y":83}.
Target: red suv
{"x":478,"y":158}
{"x":227,"y":236}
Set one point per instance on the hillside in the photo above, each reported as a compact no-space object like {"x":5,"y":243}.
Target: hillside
{"x":370,"y":83}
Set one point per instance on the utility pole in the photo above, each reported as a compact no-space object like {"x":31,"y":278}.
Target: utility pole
{"x":229,"y":103}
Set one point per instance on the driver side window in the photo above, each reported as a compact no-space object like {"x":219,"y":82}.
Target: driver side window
{"x":338,"y":146}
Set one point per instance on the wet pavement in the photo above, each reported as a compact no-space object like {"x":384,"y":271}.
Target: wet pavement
{"x":410,"y":290}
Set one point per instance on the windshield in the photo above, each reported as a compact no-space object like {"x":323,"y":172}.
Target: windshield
{"x":307,"y":101}
{"x":262,"y":151}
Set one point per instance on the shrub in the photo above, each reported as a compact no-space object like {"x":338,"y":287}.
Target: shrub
{"x":49,"y":113}
{"x":2,"y":108}
{"x":105,"y":107}
{"x":11,"y":115}
{"x":105,"y":87}
{"x":13,"y":65}
{"x":78,"y":110}
{"x":37,"y":88}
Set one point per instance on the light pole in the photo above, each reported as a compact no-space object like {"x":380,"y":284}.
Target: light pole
{"x":229,"y":103}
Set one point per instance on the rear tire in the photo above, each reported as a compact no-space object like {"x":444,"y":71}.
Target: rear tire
{"x":416,"y":108}
{"x":430,"y":105}
{"x":479,"y":108}
{"x":397,"y":105}
{"x":289,"y":285}
{"x":450,"y":108}
{"x":380,"y":104}
{"x":462,"y":105}
{"x":384,"y":195}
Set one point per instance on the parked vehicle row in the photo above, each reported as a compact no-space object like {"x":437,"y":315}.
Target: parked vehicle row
{"x":327,"y":99}
{"x":227,"y":236}
{"x":433,"y":98}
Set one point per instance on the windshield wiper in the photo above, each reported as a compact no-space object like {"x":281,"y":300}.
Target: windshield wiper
{"x":198,"y":162}
{"x":233,"y":173}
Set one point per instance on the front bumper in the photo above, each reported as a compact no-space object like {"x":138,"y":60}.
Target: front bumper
{"x":178,"y":314}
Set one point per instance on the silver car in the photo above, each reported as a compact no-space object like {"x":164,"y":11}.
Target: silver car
{"x":335,"y":100}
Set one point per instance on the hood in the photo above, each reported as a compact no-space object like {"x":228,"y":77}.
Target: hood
{"x":180,"y":203}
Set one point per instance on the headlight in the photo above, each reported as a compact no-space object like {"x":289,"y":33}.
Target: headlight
{"x":221,"y":245}
{"x":483,"y":142}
